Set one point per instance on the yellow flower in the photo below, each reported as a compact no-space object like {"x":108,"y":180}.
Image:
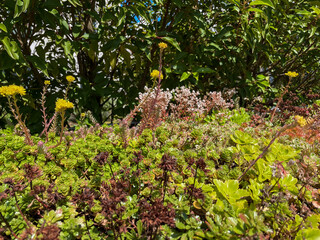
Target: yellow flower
{"x":70,"y":78}
{"x":300,"y":120}
{"x":292,"y":74}
{"x":155,"y":74}
{"x":12,"y":90}
{"x":83,"y":115}
{"x":163,"y":45}
{"x":62,"y":105}
{"x":47,"y":82}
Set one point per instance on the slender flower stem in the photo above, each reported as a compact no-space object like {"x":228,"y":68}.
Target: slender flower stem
{"x":43,"y":110}
{"x":159,"y":82}
{"x":154,"y":102}
{"x":45,"y":130}
{"x":62,"y":126}
{"x":280,"y":99}
{"x":66,"y":94}
{"x":284,"y":128}
{"x":18,"y":117}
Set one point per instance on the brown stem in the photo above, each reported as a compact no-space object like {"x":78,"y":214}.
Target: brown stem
{"x":66,"y":94}
{"x":41,"y":202}
{"x":18,"y":117}
{"x":43,"y":110}
{"x":17,"y":205}
{"x":266,"y":148}
{"x":62,"y":126}
{"x":154,"y":102}
{"x":8,"y":225}
{"x":127,"y":120}
{"x":280,"y":99}
{"x":47,"y":126}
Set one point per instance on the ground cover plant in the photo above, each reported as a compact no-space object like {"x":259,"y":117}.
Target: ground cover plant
{"x":206,"y":173}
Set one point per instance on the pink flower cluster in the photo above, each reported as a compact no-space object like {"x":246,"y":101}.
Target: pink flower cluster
{"x":186,"y":103}
{"x":180,"y":103}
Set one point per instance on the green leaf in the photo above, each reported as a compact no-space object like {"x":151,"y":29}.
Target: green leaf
{"x":289,"y":183}
{"x":25,"y":5}
{"x":173,"y":42}
{"x":184,"y":76}
{"x":75,"y":3}
{"x":316,"y":10}
{"x":310,"y":234}
{"x":20,"y":7}
{"x":230,"y":190}
{"x":126,"y":55}
{"x":180,"y":225}
{"x":234,"y":2}
{"x":112,"y":44}
{"x":113,"y":60}
{"x":313,"y":31}
{"x":280,"y":152}
{"x":313,"y":220}
{"x":262,"y":2}
{"x":265,"y":172}
{"x":19,"y":3}
{"x":11,"y":48}
{"x":255,"y":10}
{"x":67,"y":47}
{"x":64,"y":24}
{"x":255,"y":190}
{"x":139,"y":227}
{"x":303,"y":12}
{"x":240,"y":137}
{"x":3,"y":27}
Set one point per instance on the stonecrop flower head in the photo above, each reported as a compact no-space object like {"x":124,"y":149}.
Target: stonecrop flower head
{"x":47,"y":82}
{"x":300,"y":120}
{"x":62,"y":105}
{"x":12,"y":90}
{"x":70,"y":78}
{"x":292,"y":74}
{"x":155,"y":74}
{"x":162,"y":45}
{"x":83,"y":115}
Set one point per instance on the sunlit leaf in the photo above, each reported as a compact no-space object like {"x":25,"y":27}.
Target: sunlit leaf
{"x":262,"y":2}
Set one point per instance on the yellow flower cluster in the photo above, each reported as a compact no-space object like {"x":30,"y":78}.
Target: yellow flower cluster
{"x":83,"y":115}
{"x":155,"y":74}
{"x":163,"y":45}
{"x":62,"y":105}
{"x":12,"y":90}
{"x":47,"y":82}
{"x":292,"y":74}
{"x":300,"y":120}
{"x":70,"y":78}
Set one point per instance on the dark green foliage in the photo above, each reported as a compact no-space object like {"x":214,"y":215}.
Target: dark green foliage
{"x":112,"y":49}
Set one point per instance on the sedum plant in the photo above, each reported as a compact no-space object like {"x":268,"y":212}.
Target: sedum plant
{"x":11,"y":92}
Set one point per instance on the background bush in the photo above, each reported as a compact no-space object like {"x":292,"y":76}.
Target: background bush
{"x":111,"y":47}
